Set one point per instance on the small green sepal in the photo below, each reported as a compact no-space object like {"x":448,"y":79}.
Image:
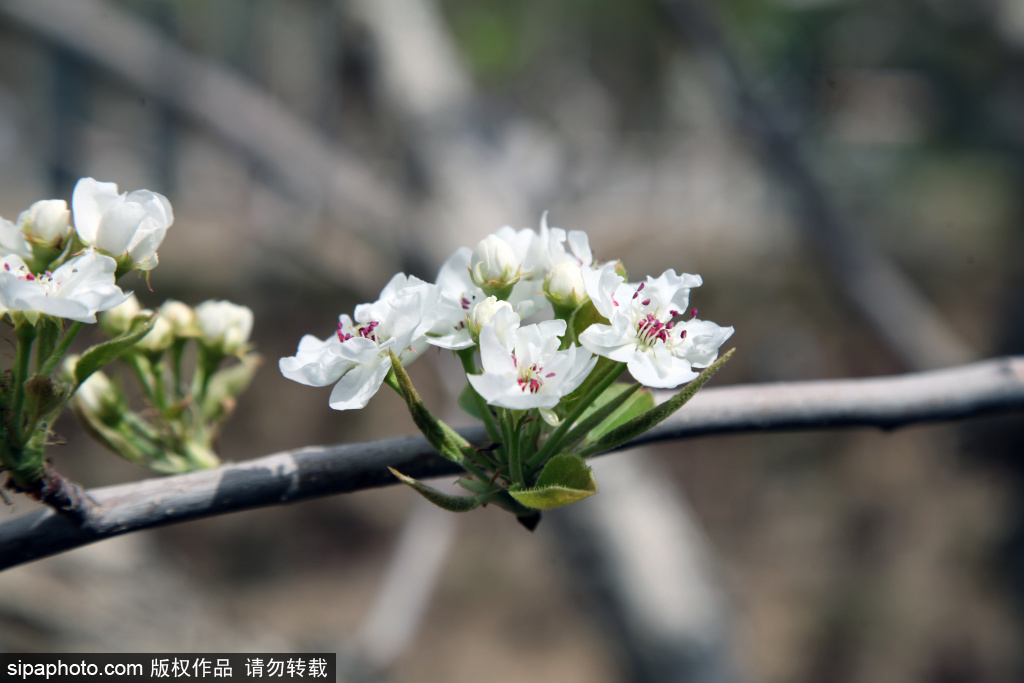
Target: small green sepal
{"x":441,"y":499}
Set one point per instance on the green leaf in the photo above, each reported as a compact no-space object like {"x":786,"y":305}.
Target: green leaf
{"x":97,"y":356}
{"x":565,"y":479}
{"x":638,"y":425}
{"x":604,"y":405}
{"x":441,"y":499}
{"x":633,"y":406}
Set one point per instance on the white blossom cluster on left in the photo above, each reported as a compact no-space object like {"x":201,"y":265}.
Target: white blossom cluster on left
{"x":59,"y":268}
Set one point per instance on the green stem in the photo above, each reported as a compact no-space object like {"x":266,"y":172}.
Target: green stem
{"x":555,"y":440}
{"x":62,"y":348}
{"x":466,"y":356}
{"x":514,"y":457}
{"x":136,"y":361}
{"x":176,"y":351}
{"x":26,"y":334}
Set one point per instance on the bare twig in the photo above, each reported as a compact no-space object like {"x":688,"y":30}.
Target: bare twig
{"x":887,"y":402}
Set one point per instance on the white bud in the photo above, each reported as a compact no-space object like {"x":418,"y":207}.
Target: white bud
{"x":564,"y":285}
{"x":494,"y":266}
{"x":117,"y":320}
{"x":46,"y":222}
{"x":98,"y":397}
{"x":224,"y":326}
{"x":181,"y":317}
{"x":483,"y":312}
{"x":160,"y":337}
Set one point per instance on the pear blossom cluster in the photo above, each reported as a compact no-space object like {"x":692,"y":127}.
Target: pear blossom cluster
{"x":59,"y":269}
{"x":52,"y":266}
{"x":542,"y":328}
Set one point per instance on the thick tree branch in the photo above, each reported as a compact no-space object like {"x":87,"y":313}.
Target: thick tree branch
{"x":886,"y":402}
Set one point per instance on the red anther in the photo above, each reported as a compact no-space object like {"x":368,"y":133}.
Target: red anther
{"x":641,"y":286}
{"x":683,"y":335}
{"x":7,"y":267}
{"x":669,"y":325}
{"x":674,"y":313}
{"x":550,"y":374}
{"x":515,"y":361}
{"x":465,"y":304}
{"x":30,"y":276}
{"x":693,"y":313}
{"x":645,"y":302}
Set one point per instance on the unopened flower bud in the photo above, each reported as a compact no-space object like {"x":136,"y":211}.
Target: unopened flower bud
{"x":494,"y":267}
{"x":564,"y":286}
{"x":46,"y":222}
{"x":118,"y":320}
{"x":483,"y":312}
{"x":160,"y":337}
{"x":224,"y":326}
{"x":99,"y":399}
{"x":181,"y":317}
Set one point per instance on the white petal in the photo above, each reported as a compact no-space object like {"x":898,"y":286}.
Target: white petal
{"x":579,"y":244}
{"x":617,"y":342}
{"x":89,"y":201}
{"x":317,"y":362}
{"x":12,"y":240}
{"x":359,"y":384}
{"x":495,"y":355}
{"x":703,"y":339}
{"x":657,"y":367}
{"x":601,"y":284}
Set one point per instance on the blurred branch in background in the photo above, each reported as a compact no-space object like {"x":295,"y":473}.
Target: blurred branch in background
{"x":888,"y":402}
{"x":886,"y":298}
{"x":651,"y":579}
{"x":312,"y":168}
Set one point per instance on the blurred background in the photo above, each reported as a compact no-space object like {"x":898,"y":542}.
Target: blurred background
{"x":846,"y":175}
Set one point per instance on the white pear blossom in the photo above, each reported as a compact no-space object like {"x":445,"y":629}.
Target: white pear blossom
{"x":46,"y":222}
{"x":77,"y":290}
{"x":356,"y":359}
{"x":522,"y":366}
{"x":646,"y":330}
{"x":457,"y":294}
{"x":224,"y":326}
{"x":12,"y":240}
{"x":132,"y":223}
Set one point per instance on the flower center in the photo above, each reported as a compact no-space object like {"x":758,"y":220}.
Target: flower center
{"x":44,"y":279}
{"x":365,"y":330}
{"x":531,"y":378}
